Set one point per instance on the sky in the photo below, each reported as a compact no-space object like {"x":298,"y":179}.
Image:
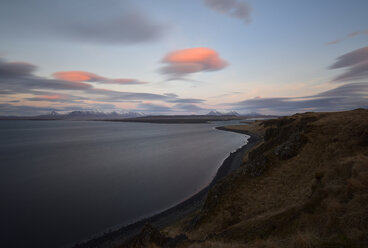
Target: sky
{"x":183,"y":57}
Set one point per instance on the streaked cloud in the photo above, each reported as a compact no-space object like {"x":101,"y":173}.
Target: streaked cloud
{"x":356,"y":63}
{"x":349,"y":35}
{"x":170,"y":109}
{"x":48,"y":98}
{"x":183,"y":62}
{"x":227,"y":94}
{"x":121,"y":96}
{"x":129,"y":27}
{"x":25,"y":110}
{"x":19,"y":81}
{"x":333,"y":42}
{"x":82,"y":76}
{"x":234,"y":8}
{"x":94,"y":22}
{"x":19,"y":77}
{"x":186,"y":100}
{"x":55,"y":98}
{"x":189,"y":108}
{"x":171,"y":95}
{"x":15,"y":69}
{"x":345,"y":97}
{"x":21,"y":110}
{"x":153,"y":108}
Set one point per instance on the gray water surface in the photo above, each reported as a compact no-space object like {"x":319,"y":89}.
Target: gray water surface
{"x":63,"y":181}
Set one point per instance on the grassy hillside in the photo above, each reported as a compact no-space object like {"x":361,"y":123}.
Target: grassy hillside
{"x":305,"y":185}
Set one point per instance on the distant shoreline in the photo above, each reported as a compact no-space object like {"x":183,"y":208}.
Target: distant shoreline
{"x":159,"y":119}
{"x":179,"y":211}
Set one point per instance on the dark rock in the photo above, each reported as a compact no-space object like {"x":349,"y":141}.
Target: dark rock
{"x":174,"y":242}
{"x":290,"y":148}
{"x":271,"y":133}
{"x":255,"y":167}
{"x":285,"y":121}
{"x":147,"y":237}
{"x":364,"y":138}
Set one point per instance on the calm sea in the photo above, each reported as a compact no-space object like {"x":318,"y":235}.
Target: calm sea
{"x":62,"y":181}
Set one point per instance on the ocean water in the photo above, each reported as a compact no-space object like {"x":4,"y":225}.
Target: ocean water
{"x":63,"y":181}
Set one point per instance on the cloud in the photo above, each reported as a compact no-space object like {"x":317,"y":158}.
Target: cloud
{"x":192,"y":60}
{"x":345,"y":97}
{"x":351,"y":58}
{"x":189,"y":107}
{"x":356,"y":72}
{"x":347,"y":90}
{"x":164,"y":109}
{"x":357,"y":63}
{"x":120,"y":96}
{"x":24,"y":110}
{"x":129,"y":27}
{"x":153,"y":108}
{"x":353,"y":34}
{"x":12,"y":69}
{"x":96,"y":22}
{"x":47,"y":97}
{"x":333,"y":42}
{"x":9,"y":109}
{"x":70,"y":87}
{"x":171,"y":94}
{"x":186,"y":100}
{"x":227,"y":94}
{"x":82,"y":76}
{"x":350,"y":35}
{"x":63,"y":98}
{"x":237,"y":9}
{"x":18,"y":77}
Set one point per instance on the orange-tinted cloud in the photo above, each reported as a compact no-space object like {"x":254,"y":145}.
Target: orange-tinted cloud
{"x":192,"y":60}
{"x":51,"y":97}
{"x":75,"y":76}
{"x":83,"y":76}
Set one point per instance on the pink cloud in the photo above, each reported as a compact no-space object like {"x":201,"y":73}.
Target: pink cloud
{"x":192,"y":60}
{"x":350,"y":35}
{"x":82,"y":76}
{"x":50,"y":98}
{"x":353,"y":34}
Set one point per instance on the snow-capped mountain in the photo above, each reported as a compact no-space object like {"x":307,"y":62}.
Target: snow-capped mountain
{"x":218,"y":113}
{"x":90,"y":115}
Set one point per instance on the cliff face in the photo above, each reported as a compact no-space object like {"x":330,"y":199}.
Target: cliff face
{"x":305,"y":185}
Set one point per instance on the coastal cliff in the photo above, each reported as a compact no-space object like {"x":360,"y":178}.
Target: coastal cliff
{"x":304,"y":185}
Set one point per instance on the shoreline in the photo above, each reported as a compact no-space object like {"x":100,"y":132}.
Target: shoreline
{"x":178,"y":211}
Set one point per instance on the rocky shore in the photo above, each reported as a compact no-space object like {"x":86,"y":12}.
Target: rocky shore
{"x":183,"y":209}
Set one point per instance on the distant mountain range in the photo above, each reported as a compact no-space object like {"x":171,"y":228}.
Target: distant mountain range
{"x":98,"y":115}
{"x":234,"y":113}
{"x":79,"y":115}
{"x":218,"y":113}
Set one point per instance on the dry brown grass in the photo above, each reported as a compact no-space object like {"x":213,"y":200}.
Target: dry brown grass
{"x":304,"y":240}
{"x":214,"y":244}
{"x":254,"y":127}
{"x":324,"y":188}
